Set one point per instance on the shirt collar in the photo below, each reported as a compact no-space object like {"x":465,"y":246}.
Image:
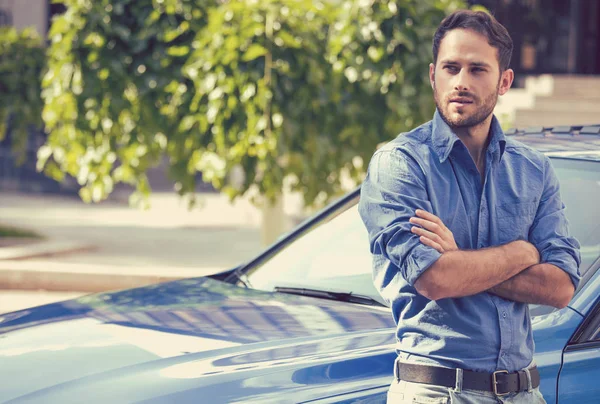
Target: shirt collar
{"x":444,"y":139}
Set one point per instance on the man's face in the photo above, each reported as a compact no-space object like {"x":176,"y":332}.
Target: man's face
{"x":466,"y":79}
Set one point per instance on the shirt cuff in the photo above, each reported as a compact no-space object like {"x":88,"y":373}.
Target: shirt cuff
{"x":418,"y":261}
{"x":564,"y":261}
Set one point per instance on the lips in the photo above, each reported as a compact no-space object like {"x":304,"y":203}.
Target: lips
{"x":461,"y":100}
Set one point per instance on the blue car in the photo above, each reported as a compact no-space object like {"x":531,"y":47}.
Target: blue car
{"x":302,"y":322}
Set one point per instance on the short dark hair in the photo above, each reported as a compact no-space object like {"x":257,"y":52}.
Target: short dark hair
{"x":481,"y":22}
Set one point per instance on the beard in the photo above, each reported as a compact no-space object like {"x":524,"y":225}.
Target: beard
{"x":463,"y":119}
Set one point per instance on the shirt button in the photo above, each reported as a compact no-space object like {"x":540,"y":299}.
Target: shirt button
{"x":504,"y":314}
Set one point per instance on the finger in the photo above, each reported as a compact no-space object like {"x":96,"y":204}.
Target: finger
{"x":422,"y":232}
{"x":431,"y":243}
{"x":429,"y":216}
{"x":427,"y":224}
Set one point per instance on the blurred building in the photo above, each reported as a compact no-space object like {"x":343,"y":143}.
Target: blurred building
{"x":556,"y":60}
{"x":25,"y":13}
{"x":551,"y":36}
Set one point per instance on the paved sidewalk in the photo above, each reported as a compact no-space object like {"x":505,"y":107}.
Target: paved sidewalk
{"x":217,"y":235}
{"x":110,"y":246}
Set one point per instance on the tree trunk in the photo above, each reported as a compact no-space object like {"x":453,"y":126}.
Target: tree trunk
{"x":274,"y":221}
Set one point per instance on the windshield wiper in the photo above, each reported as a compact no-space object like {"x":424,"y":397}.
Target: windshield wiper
{"x":324,"y":294}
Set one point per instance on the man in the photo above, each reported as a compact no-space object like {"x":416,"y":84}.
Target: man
{"x":466,"y":228}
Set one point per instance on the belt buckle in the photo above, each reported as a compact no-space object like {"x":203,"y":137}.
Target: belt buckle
{"x":495,"y":382}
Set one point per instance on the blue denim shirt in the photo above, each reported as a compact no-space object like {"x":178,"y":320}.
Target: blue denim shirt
{"x":430,"y":168}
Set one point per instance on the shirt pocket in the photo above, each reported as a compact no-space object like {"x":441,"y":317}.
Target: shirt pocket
{"x":513,"y":221}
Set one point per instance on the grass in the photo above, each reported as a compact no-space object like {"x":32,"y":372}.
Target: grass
{"x":13,"y":232}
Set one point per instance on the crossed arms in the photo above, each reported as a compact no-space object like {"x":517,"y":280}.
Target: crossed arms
{"x":393,"y":203}
{"x":512,"y":271}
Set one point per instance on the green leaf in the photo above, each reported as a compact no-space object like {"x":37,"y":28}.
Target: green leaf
{"x":178,"y":50}
{"x":254,"y":51}
{"x":288,"y":40}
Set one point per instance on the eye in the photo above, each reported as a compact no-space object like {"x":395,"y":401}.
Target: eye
{"x":477,"y":70}
{"x":451,"y":68}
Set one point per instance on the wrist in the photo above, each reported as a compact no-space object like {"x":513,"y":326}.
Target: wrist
{"x":531,"y":254}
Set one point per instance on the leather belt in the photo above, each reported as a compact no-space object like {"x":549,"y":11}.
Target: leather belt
{"x":500,"y":382}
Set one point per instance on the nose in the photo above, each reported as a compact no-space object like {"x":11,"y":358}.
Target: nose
{"x":462,"y":80}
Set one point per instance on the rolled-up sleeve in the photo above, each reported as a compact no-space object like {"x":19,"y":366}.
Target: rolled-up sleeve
{"x":550,"y":229}
{"x":393,"y":190}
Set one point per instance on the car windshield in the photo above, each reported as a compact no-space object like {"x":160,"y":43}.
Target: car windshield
{"x":334,"y":256}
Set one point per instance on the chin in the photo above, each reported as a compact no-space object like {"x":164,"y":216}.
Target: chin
{"x":456,"y":119}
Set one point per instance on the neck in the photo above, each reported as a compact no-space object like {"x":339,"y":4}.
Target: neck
{"x":476,"y":139}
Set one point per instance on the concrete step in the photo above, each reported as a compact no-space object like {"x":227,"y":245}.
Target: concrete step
{"x":578,"y":104}
{"x":576,"y":86}
{"x":525,"y":118}
{"x":577,"y":92}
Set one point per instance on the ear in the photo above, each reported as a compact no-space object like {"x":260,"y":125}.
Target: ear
{"x":506,"y":81}
{"x":432,"y":75}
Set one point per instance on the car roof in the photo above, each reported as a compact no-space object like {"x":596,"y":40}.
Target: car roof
{"x":574,"y":142}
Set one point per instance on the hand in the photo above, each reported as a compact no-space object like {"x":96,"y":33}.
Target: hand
{"x":433,"y":232}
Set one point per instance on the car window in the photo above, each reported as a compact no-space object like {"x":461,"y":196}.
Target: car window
{"x":334,"y":255}
{"x":580,"y":192}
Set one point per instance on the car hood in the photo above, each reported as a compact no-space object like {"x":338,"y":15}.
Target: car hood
{"x":190,"y":340}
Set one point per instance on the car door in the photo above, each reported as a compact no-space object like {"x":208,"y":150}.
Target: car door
{"x":579,"y":378}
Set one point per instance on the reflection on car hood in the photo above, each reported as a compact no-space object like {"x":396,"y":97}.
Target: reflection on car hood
{"x":193,"y":339}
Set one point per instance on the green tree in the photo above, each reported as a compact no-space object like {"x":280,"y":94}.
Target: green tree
{"x":298,"y":89}
{"x":21,"y":64}
{"x":115,"y":93}
{"x":266,"y":98}
{"x":384,"y":46}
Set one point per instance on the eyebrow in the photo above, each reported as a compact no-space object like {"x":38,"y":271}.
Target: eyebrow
{"x":475,"y":64}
